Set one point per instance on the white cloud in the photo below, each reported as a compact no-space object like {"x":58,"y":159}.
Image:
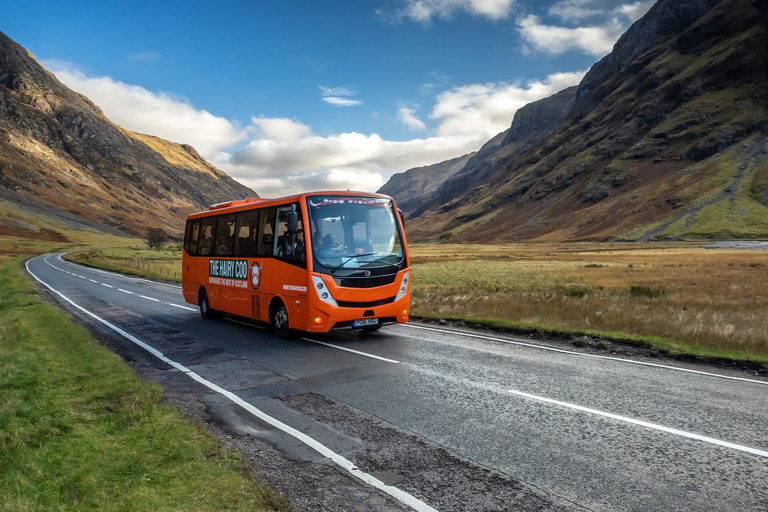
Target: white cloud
{"x":637,"y":10}
{"x":143,"y":57}
{"x":594,"y":26}
{"x":337,"y":91}
{"x":161,"y":114}
{"x":468,"y":116}
{"x":336,"y":96}
{"x":423,"y":11}
{"x":341,"y":102}
{"x":599,"y":10}
{"x":595,"y":40}
{"x":488,"y":109}
{"x":280,"y":128}
{"x":284,"y":156}
{"x":406,"y":116}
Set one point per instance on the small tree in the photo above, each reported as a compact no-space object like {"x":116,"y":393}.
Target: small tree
{"x":155,"y":238}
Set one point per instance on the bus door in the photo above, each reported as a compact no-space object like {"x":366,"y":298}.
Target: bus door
{"x":289,"y":278}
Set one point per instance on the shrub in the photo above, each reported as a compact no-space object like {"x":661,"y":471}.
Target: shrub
{"x":642,"y":291}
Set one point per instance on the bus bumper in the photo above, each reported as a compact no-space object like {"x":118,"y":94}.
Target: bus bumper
{"x":321,"y":320}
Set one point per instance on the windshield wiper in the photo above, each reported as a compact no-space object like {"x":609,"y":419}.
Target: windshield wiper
{"x":381,"y":260}
{"x":337,"y":267}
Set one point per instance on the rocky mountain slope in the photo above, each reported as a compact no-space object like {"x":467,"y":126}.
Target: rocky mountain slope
{"x":63,"y":161}
{"x":665,"y":137}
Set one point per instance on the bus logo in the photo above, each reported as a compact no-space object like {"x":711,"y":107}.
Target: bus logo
{"x":255,"y":275}
{"x":230,"y":269}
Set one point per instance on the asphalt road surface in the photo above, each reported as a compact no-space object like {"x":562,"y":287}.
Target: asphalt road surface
{"x":437,"y":418}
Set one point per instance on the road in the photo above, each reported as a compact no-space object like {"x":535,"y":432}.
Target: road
{"x":504,"y":422}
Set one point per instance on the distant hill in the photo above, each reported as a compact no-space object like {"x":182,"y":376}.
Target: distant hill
{"x":664,"y":138}
{"x":63,"y":161}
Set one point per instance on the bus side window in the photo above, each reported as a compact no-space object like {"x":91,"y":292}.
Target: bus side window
{"x":224,"y":233}
{"x":266,"y":232}
{"x":247,"y":232}
{"x":192,"y":237}
{"x":289,"y":247}
{"x":207,"y":236}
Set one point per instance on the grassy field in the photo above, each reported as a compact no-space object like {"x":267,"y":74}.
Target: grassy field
{"x":162,"y":264}
{"x":678,"y":297}
{"x":78,"y":430}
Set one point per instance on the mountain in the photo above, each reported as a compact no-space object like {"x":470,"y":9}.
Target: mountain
{"x":416,"y":186}
{"x":63,"y":161}
{"x":664,"y":138}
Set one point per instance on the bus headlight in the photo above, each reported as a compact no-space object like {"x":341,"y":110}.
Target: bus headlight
{"x":403,"y":287}
{"x":320,"y":289}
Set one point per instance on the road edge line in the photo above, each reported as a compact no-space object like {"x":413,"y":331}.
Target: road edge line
{"x":339,"y":460}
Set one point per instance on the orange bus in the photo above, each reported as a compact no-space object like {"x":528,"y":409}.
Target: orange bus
{"x":311,"y":262}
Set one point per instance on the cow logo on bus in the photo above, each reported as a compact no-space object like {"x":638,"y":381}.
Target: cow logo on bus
{"x":255,"y":275}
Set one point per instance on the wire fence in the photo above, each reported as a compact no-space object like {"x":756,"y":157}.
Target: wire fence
{"x":160,"y":269}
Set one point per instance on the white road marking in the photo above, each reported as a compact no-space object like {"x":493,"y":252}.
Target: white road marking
{"x":401,"y":496}
{"x":350,"y":350}
{"x":581,"y":354}
{"x":110,"y":286}
{"x":625,"y":419}
{"x":114,"y":274}
{"x":646,"y":424}
{"x":124,"y":291}
{"x":181,"y":307}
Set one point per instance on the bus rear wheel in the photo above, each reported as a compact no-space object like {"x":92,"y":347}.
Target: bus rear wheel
{"x":280,"y":321}
{"x":205,"y":307}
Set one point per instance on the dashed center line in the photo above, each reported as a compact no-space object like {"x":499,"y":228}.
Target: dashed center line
{"x":350,"y":350}
{"x":181,"y":307}
{"x":641,"y":423}
{"x":596,"y":412}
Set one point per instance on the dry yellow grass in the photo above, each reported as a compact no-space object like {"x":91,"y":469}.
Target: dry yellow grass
{"x":163,"y":264}
{"x":714,"y":299}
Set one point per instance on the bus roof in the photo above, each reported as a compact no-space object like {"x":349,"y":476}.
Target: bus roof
{"x":244,"y":204}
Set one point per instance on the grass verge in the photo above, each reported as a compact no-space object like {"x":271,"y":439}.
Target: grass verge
{"x":665,"y":345}
{"x":79,"y":430}
{"x":164,"y":264}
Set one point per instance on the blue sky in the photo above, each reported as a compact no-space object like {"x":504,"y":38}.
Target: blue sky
{"x":289,"y":96}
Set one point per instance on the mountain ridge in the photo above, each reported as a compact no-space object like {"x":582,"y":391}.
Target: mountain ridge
{"x":658,"y":133}
{"x":60,"y":154}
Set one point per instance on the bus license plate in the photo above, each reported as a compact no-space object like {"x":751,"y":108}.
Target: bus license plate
{"x":367,"y":321}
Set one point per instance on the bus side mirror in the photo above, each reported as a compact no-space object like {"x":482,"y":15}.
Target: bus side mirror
{"x":293,"y":220}
{"x":400,"y":213}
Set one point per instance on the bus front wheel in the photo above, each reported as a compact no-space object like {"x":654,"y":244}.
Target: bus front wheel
{"x":205,"y":307}
{"x":280,"y":321}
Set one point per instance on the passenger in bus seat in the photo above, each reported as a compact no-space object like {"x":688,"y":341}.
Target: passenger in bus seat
{"x":299,"y":249}
{"x":362,"y":246}
{"x":224,"y":243}
{"x":207,"y":246}
{"x":248,"y":247}
{"x":266,"y":244}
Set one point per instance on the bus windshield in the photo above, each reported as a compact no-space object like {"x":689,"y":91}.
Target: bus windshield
{"x":354,"y":232}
